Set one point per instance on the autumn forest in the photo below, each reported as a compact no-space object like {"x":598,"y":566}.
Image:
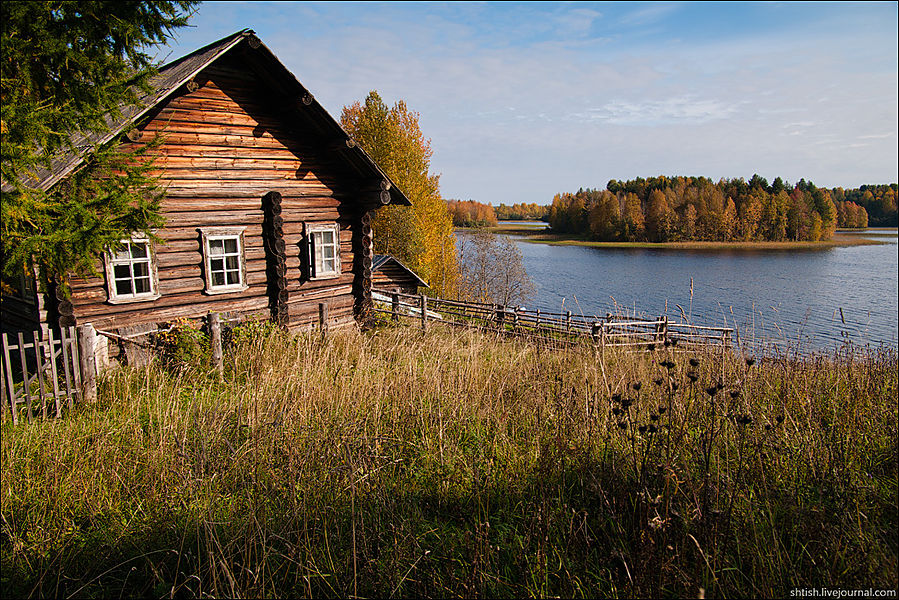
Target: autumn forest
{"x":663,"y":209}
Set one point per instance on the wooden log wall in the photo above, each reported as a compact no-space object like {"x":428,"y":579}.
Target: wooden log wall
{"x":230,"y":157}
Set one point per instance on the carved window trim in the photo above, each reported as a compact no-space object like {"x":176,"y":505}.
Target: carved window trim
{"x":317,"y":245}
{"x":218,"y":263}
{"x":114,"y":264}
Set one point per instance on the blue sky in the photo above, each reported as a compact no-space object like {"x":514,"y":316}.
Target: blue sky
{"x":525,"y":100}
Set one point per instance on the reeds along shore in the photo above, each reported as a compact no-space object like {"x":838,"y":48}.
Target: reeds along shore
{"x":392,"y":463}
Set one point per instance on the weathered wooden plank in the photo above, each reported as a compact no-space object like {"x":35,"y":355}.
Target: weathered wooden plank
{"x":26,"y":387}
{"x":337,"y":305}
{"x":54,"y":372}
{"x":249,"y":130}
{"x":283,"y":161}
{"x":219,"y":113}
{"x":243,"y":189}
{"x":69,"y":359}
{"x":218,"y":102}
{"x":271,"y":173}
{"x":11,"y":386}
{"x":299,"y":200}
{"x":225,"y":115}
{"x":39,"y":371}
{"x":174,"y":306}
{"x":212,"y":218}
{"x":339,"y":287}
{"x":231,"y":141}
{"x":297,"y":152}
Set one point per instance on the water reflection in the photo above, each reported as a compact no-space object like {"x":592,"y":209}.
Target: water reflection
{"x":810,"y":300}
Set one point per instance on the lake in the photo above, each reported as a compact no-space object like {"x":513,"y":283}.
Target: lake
{"x":810,"y":300}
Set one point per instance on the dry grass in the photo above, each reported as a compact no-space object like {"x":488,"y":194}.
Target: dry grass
{"x":393,"y":463}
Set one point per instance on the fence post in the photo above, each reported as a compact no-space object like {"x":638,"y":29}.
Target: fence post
{"x":395,"y":307}
{"x":602,"y":344}
{"x":665,"y":331}
{"x":537,"y":321}
{"x":423,"y":304}
{"x":87,"y":343}
{"x":215,"y":338}
{"x":724,"y":345}
{"x":567,"y":321}
{"x":323,"y":318}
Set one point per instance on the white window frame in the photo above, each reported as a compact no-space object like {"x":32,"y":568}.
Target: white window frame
{"x":112,"y":261}
{"x":216,"y":234}
{"x":313,"y":246}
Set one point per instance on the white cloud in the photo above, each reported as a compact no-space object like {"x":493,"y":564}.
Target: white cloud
{"x":558,"y":100}
{"x":684,"y":109}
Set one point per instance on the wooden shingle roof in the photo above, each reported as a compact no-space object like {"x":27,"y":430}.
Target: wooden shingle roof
{"x":379,"y":260}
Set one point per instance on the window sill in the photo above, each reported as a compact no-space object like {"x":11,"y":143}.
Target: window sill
{"x":133,"y":299}
{"x":225,"y":290}
{"x":323,"y":277}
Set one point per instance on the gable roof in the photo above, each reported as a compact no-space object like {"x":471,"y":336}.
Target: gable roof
{"x":174,"y":75}
{"x":379,"y":260}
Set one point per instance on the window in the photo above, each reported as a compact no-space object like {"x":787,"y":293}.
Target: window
{"x":323,"y":246}
{"x":224,"y":262}
{"x":131,"y":272}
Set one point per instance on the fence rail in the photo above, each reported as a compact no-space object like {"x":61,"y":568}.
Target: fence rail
{"x":556,"y":327}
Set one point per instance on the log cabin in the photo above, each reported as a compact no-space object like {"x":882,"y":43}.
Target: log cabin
{"x":389,"y":274}
{"x":267,"y":207}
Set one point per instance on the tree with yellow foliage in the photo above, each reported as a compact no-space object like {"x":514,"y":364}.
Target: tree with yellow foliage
{"x":421,"y":236}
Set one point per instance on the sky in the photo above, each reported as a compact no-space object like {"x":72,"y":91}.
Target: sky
{"x":522,"y":101}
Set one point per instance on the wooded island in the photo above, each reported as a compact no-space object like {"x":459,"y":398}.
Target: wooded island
{"x":682,"y":209}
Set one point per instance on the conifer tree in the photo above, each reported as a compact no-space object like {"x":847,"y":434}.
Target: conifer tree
{"x":68,"y":67}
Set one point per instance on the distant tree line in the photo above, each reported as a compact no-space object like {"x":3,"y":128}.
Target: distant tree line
{"x":522,"y":212}
{"x":470,"y":213}
{"x":662,"y":209}
{"x":879,"y":201}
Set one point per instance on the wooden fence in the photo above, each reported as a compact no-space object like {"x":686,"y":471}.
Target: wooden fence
{"x":43,"y":375}
{"x":554,"y":327}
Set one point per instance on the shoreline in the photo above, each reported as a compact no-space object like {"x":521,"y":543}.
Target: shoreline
{"x":842,"y":238}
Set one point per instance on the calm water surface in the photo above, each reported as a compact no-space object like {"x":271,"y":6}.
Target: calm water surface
{"x":807,"y":300}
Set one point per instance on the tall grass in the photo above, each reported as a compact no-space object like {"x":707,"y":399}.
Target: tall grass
{"x":393,"y":463}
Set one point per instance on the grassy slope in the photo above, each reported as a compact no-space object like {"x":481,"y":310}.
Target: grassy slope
{"x":458,"y":464}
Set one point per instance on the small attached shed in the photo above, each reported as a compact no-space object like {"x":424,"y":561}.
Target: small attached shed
{"x":389,"y":274}
{"x":268,"y":204}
